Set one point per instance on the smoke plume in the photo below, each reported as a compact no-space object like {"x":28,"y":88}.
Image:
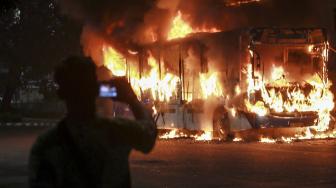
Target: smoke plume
{"x":125,"y":24}
{"x":128,"y":24}
{"x":270,"y":13}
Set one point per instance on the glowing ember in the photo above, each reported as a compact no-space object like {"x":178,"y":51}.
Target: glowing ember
{"x":173,"y":134}
{"x":287,"y":140}
{"x":267,"y":140}
{"x":237,"y":140}
{"x":307,"y":135}
{"x":310,"y":48}
{"x":206,"y":136}
{"x":179,"y":133}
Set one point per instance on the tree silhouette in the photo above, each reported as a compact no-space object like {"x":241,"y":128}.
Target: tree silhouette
{"x":33,"y":35}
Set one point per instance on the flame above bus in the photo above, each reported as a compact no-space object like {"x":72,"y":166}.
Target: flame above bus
{"x":180,"y":29}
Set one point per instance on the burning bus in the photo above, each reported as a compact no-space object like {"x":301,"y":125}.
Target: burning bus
{"x":281,"y":81}
{"x":284,"y":82}
{"x":223,"y":82}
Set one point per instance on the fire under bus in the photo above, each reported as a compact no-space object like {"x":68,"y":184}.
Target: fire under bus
{"x":226,"y":82}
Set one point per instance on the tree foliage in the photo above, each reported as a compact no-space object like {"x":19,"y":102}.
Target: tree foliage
{"x":33,"y":35}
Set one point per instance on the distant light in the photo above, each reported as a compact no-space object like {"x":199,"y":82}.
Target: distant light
{"x":51,"y":5}
{"x":17,"y":16}
{"x":232,"y":3}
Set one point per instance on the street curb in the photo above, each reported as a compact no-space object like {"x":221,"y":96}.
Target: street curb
{"x":27,"y":124}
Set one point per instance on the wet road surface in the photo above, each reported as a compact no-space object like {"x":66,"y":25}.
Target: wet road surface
{"x":186,"y":163}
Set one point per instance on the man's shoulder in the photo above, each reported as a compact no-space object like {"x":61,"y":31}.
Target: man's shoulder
{"x":47,"y":141}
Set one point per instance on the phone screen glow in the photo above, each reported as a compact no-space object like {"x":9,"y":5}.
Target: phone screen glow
{"x":108,"y":91}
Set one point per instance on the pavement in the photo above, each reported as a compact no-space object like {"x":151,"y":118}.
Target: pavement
{"x":187,"y":163}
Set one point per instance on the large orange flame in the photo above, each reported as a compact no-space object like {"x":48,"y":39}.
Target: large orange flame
{"x":319,"y":98}
{"x":114,"y":61}
{"x":210,"y":85}
{"x":161,"y":87}
{"x":180,"y":29}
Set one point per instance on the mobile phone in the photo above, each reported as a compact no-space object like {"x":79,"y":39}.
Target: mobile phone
{"x":107,"y":90}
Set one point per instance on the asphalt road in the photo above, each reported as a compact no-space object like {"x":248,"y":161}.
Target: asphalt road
{"x":185,"y":163}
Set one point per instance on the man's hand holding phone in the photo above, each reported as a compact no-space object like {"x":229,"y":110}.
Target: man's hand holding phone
{"x":118,"y":89}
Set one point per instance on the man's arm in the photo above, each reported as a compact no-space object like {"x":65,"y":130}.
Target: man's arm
{"x":140,"y":134}
{"x":145,"y":118}
{"x":40,"y":170}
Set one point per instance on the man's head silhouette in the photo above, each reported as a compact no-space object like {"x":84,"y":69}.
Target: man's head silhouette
{"x":78,"y":86}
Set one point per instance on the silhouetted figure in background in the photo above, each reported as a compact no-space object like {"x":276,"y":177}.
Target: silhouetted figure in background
{"x":84,"y":150}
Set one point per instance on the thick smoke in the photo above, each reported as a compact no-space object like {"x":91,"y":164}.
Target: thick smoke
{"x":274,"y":13}
{"x":129,"y":24}
{"x":125,"y":24}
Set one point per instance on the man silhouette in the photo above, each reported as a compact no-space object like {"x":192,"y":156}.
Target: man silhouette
{"x":84,"y":150}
